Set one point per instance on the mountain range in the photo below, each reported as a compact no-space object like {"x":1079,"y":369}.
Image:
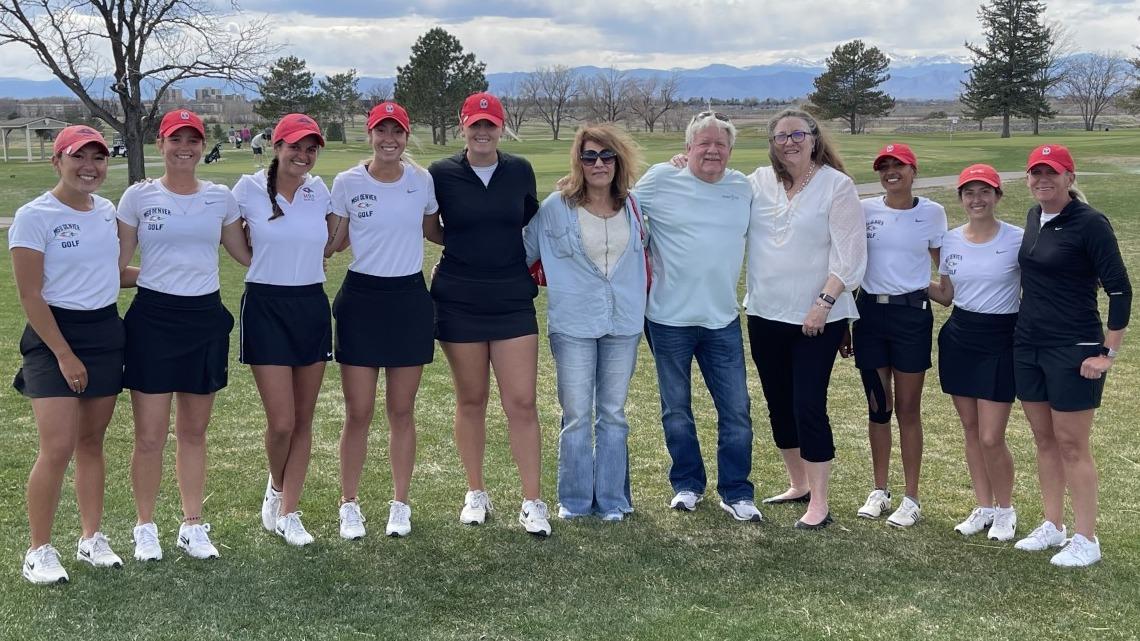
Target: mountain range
{"x":923,"y":78}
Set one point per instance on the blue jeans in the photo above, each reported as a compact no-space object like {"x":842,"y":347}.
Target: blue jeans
{"x":593,"y":458}
{"x":720,"y":355}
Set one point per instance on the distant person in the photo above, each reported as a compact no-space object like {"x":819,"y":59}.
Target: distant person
{"x":384,"y":317}
{"x":286,"y":329}
{"x":245,"y":134}
{"x":979,"y":275}
{"x":589,"y":238}
{"x":698,"y":220}
{"x":484,"y":303}
{"x":256,"y":144}
{"x":1061,"y":353}
{"x":233,"y":138}
{"x":72,"y":345}
{"x":893,"y":336}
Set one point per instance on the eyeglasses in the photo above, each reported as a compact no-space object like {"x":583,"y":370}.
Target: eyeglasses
{"x":795,"y":136}
{"x":715,"y":114}
{"x":591,"y":157}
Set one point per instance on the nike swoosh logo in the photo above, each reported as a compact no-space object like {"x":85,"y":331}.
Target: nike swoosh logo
{"x":1056,"y":229}
{"x":920,"y":220}
{"x":86,"y":553}
{"x":31,"y":566}
{"x":412,"y":191}
{"x":212,"y":202}
{"x":185,"y":541}
{"x":328,"y":354}
{"x":1002,"y":251}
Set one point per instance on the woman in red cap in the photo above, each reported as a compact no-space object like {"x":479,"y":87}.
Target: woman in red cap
{"x":286,"y":331}
{"x":1061,"y":352}
{"x":383,"y":312}
{"x":892,"y":338}
{"x":178,"y":331}
{"x":65,"y":261}
{"x":980,"y":276}
{"x":484,"y":299}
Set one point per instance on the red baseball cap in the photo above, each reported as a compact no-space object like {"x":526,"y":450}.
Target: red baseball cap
{"x":179,"y":118}
{"x":980,"y":173}
{"x":481,"y":106}
{"x":1056,"y":156}
{"x":389,"y":111}
{"x":73,"y":138}
{"x":293,"y":127}
{"x":899,"y":151}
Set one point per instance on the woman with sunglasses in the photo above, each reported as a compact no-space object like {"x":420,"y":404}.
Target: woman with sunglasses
{"x":893,"y":337}
{"x":65,"y":261}
{"x":588,"y":236}
{"x":484,"y":299}
{"x":286,"y":331}
{"x":383,"y":312}
{"x":178,"y":331}
{"x":1061,"y":353}
{"x":980,"y":277}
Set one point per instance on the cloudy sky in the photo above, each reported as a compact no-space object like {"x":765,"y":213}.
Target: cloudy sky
{"x":375,"y":36}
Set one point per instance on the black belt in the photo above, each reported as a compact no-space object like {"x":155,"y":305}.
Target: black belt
{"x":918,"y":299}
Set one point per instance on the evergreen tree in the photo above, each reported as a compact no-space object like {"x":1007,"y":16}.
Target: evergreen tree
{"x":1010,"y":68}
{"x":341,"y":98}
{"x":436,"y":80}
{"x":847,"y":89}
{"x":287,"y":88}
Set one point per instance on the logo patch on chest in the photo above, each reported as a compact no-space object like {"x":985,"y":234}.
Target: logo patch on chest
{"x":67,"y":234}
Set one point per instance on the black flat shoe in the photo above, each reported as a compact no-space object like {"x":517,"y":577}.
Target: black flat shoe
{"x":776,"y":500}
{"x":827,"y":520}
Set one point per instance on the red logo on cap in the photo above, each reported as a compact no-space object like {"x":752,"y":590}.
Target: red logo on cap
{"x":483,"y":103}
{"x":185,"y":115}
{"x":1045,"y":151}
{"x":389,"y":109}
{"x":890,"y":147}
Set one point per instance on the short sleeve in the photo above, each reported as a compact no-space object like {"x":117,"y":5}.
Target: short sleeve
{"x":938,"y":226}
{"x":644,"y":190}
{"x":242,"y":196}
{"x":128,"y":210}
{"x":339,"y":198}
{"x":432,"y":205}
{"x":233,"y":212}
{"x":28,"y":231}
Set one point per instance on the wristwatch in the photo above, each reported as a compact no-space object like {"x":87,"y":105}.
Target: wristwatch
{"x":830,"y":300}
{"x":1105,"y":350}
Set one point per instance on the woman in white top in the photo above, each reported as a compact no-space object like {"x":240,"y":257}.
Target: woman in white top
{"x":178,"y":331}
{"x":980,"y":276}
{"x":806,"y":254}
{"x":892,"y":338}
{"x":383,"y":312}
{"x":65,"y":261}
{"x":286,"y":331}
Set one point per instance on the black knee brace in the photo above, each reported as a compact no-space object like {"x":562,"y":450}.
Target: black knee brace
{"x":876,"y":397}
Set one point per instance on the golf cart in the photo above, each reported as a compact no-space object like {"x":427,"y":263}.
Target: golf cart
{"x":118,"y":147}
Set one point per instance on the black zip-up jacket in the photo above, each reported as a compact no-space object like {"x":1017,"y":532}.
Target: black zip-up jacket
{"x":1062,"y":264}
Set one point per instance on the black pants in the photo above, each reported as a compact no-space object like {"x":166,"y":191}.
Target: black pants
{"x":795,"y":371}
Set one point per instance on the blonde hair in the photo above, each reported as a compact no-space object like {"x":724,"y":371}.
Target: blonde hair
{"x":823,"y":150}
{"x":626,"y":165}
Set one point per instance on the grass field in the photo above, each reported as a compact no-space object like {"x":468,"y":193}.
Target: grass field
{"x":659,"y":575}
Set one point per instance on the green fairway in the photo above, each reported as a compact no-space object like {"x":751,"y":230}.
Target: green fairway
{"x":661,"y":574}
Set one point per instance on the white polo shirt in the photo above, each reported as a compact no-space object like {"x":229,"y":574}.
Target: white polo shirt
{"x":80,"y":248}
{"x":986,"y":276}
{"x":899,"y":243}
{"x":178,"y":234}
{"x":288,"y":250}
{"x":385,"y":220}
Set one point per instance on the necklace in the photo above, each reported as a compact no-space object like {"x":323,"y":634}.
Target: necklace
{"x":786,"y":212}
{"x":177,"y":199}
{"x":804,"y":182}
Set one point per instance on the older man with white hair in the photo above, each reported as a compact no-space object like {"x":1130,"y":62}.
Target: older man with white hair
{"x":698,"y":221}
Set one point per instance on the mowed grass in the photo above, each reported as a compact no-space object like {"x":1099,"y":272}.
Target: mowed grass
{"x":659,"y":575}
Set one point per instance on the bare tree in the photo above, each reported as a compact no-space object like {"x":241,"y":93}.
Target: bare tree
{"x":379,"y":92}
{"x":1092,"y":81}
{"x":606,"y":96}
{"x":550,"y":90}
{"x":516,"y":105}
{"x":1052,"y":73}
{"x":651,"y":98}
{"x":146,"y":47}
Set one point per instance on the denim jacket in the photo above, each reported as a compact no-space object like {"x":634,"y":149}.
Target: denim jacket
{"x":581,"y":301}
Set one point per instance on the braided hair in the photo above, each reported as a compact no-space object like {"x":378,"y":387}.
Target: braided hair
{"x":271,"y":188}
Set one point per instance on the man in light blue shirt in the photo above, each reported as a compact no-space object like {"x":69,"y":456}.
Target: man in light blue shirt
{"x":697,"y":218}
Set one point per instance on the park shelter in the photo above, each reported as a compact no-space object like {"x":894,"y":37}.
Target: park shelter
{"x":29,"y":125}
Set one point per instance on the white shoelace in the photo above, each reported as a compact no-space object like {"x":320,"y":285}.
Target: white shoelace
{"x":293,"y":524}
{"x":100,"y":545}
{"x":1039,"y":534}
{"x":539,"y":510}
{"x":199,"y":535}
{"x":400,"y":513}
{"x":351,"y":514}
{"x":483,"y":500}
{"x":146,"y":537}
{"x":47,"y":557}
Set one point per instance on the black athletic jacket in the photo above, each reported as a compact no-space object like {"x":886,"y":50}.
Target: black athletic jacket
{"x":1062,"y":265}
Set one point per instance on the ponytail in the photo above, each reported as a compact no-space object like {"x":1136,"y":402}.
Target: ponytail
{"x":271,"y":188}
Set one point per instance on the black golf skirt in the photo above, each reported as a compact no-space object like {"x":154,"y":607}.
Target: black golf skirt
{"x":383,"y":321}
{"x":473,"y":310}
{"x":975,"y":355}
{"x":95,"y":336}
{"x":286,"y":325}
{"x":177,"y":343}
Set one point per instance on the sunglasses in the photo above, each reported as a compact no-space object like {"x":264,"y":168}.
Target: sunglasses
{"x":590,"y":157}
{"x":714,"y":114}
{"x":795,"y":136}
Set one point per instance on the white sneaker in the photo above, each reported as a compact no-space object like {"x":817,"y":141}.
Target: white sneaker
{"x":980,"y":519}
{"x":534,"y":516}
{"x":399,"y":519}
{"x":351,"y":521}
{"x":878,"y":501}
{"x":1079,"y":553}
{"x":147,"y":547}
{"x":743,"y":510}
{"x":613,"y":517}
{"x":1005,"y":525}
{"x":1042,"y":537}
{"x":270,"y":507}
{"x":97,"y":551}
{"x":292,"y":530}
{"x":686,"y":500}
{"x":907,"y":515}
{"x":42,"y":567}
{"x":195,"y":541}
{"x":476,"y":505}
